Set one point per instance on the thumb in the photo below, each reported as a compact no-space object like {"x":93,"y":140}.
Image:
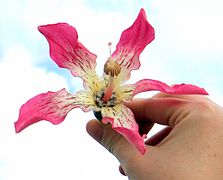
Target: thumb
{"x":112,"y":141}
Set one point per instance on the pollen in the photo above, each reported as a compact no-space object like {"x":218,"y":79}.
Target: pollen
{"x":112,"y":68}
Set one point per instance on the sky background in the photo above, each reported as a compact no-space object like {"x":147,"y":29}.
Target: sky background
{"x":188,"y":49}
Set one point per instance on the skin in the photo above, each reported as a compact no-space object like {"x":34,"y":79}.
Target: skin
{"x":190,"y":147}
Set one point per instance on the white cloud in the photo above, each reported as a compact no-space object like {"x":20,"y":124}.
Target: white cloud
{"x":193,"y":25}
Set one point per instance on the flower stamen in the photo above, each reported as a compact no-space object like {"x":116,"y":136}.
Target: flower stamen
{"x":112,"y":68}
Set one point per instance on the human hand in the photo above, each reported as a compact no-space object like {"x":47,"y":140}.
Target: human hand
{"x":190,"y":147}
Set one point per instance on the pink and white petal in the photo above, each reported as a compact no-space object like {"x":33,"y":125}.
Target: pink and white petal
{"x":132,"y":42}
{"x":122,"y":120}
{"x":125,"y":92}
{"x":84,"y":100}
{"x":67,"y":51}
{"x":50,"y":106}
{"x":151,"y":85}
{"x":93,"y":82}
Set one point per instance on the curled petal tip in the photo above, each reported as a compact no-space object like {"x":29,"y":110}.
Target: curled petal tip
{"x":17,"y":129}
{"x":39,"y":28}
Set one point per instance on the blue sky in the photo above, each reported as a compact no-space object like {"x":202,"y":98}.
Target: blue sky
{"x":188,"y":48}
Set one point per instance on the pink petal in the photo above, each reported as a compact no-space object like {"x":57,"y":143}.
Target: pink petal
{"x":132,"y":42}
{"x":150,"y":85}
{"x":50,"y":106}
{"x":122,"y":120}
{"x":66,"y":50}
{"x":133,"y":137}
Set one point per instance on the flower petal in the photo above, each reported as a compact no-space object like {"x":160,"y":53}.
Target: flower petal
{"x":132,"y":42}
{"x":150,"y":85}
{"x":124,"y":92}
{"x":122,"y":120}
{"x":85,"y":101}
{"x":67,"y":51}
{"x":50,"y":106}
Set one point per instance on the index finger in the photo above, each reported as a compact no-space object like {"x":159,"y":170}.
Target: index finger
{"x":188,"y":97}
{"x":165,"y":111}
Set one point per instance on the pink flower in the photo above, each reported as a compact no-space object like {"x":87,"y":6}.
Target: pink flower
{"x":101,"y":94}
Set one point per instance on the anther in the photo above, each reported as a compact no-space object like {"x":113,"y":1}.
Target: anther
{"x":112,"y":68}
